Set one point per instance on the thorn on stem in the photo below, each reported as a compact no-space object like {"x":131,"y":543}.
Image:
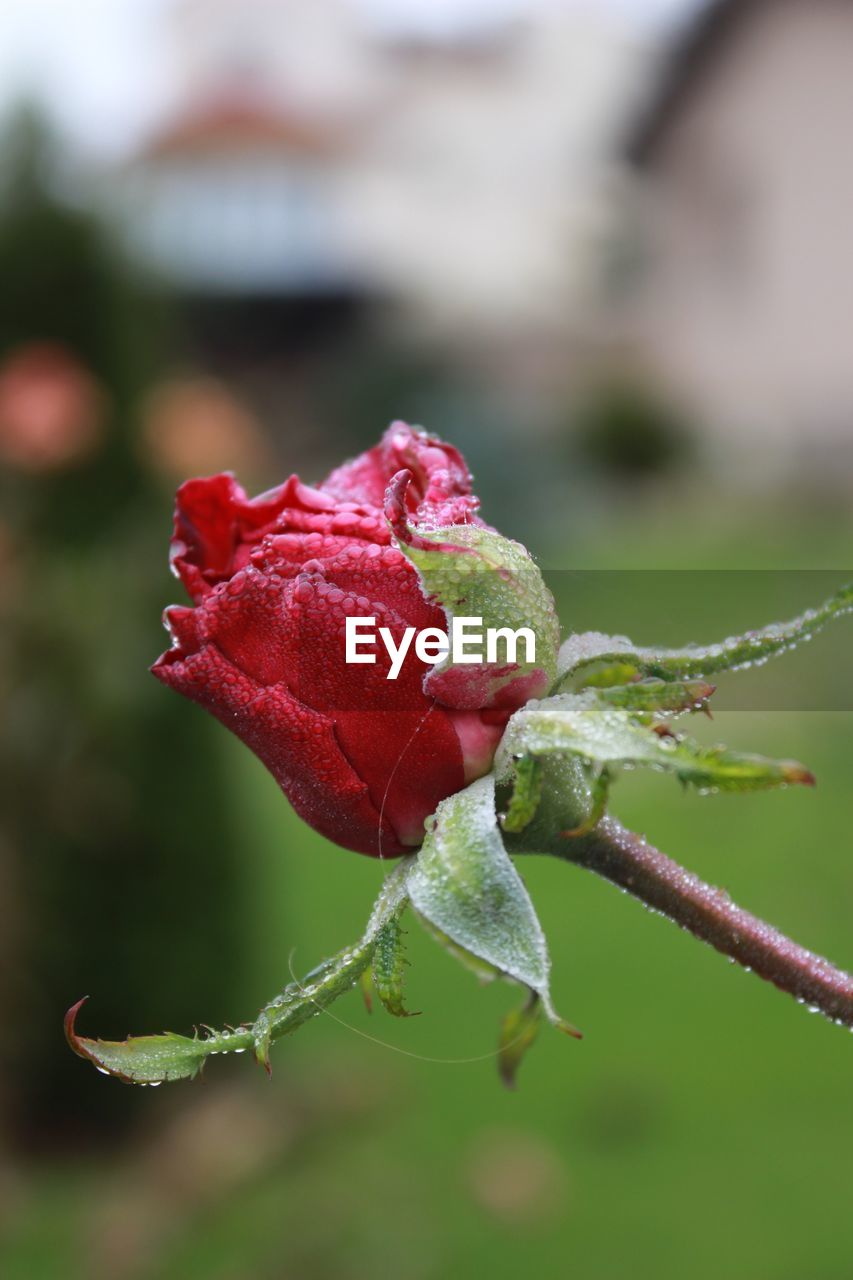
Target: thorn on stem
{"x":71,"y":1035}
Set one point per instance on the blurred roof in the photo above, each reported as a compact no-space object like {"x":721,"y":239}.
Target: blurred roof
{"x":241,"y":122}
{"x":466,"y":47}
{"x":267,"y":225}
{"x":698,"y":44}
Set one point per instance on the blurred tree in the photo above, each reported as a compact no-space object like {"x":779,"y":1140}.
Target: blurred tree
{"x":627,"y":431}
{"x":116,"y":841}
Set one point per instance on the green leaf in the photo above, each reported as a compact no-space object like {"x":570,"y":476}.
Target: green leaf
{"x":603,"y":735}
{"x":583,"y":651}
{"x":464,"y":883}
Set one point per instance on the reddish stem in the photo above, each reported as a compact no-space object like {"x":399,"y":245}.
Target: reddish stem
{"x":708,"y":913}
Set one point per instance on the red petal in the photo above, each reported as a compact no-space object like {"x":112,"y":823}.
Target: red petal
{"x":440,"y":492}
{"x":297,"y":744}
{"x":217,"y":526}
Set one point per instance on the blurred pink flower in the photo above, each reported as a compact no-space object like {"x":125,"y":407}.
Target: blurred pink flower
{"x":51,"y":408}
{"x":195,"y":426}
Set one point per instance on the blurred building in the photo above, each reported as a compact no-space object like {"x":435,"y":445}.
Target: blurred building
{"x":459,"y":182}
{"x":239,"y":194}
{"x":742,"y":290}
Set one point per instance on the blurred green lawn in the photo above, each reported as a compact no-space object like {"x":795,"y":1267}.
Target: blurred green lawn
{"x":704,"y":1126}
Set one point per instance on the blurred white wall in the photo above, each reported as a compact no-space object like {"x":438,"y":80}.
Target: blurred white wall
{"x":468,"y":174}
{"x":745,"y":304}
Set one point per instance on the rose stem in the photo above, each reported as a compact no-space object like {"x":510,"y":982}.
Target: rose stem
{"x":628,"y":861}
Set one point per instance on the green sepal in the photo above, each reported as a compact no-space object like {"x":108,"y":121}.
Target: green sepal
{"x":607,"y":735}
{"x":650,"y":698}
{"x":472,"y":571}
{"x":300,"y":1001}
{"x":599,"y":794}
{"x":481,"y":969}
{"x":159,"y":1058}
{"x":518,"y":1029}
{"x":526,"y":794}
{"x":388,"y":967}
{"x":464,"y":883}
{"x":584,"y":652}
{"x":153,"y":1060}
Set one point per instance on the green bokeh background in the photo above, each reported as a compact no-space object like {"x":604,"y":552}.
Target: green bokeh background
{"x":703,"y":1128}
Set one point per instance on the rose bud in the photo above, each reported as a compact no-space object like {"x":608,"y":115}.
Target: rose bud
{"x":394,"y":536}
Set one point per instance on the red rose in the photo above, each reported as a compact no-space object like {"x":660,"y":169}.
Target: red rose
{"x":363,"y":759}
